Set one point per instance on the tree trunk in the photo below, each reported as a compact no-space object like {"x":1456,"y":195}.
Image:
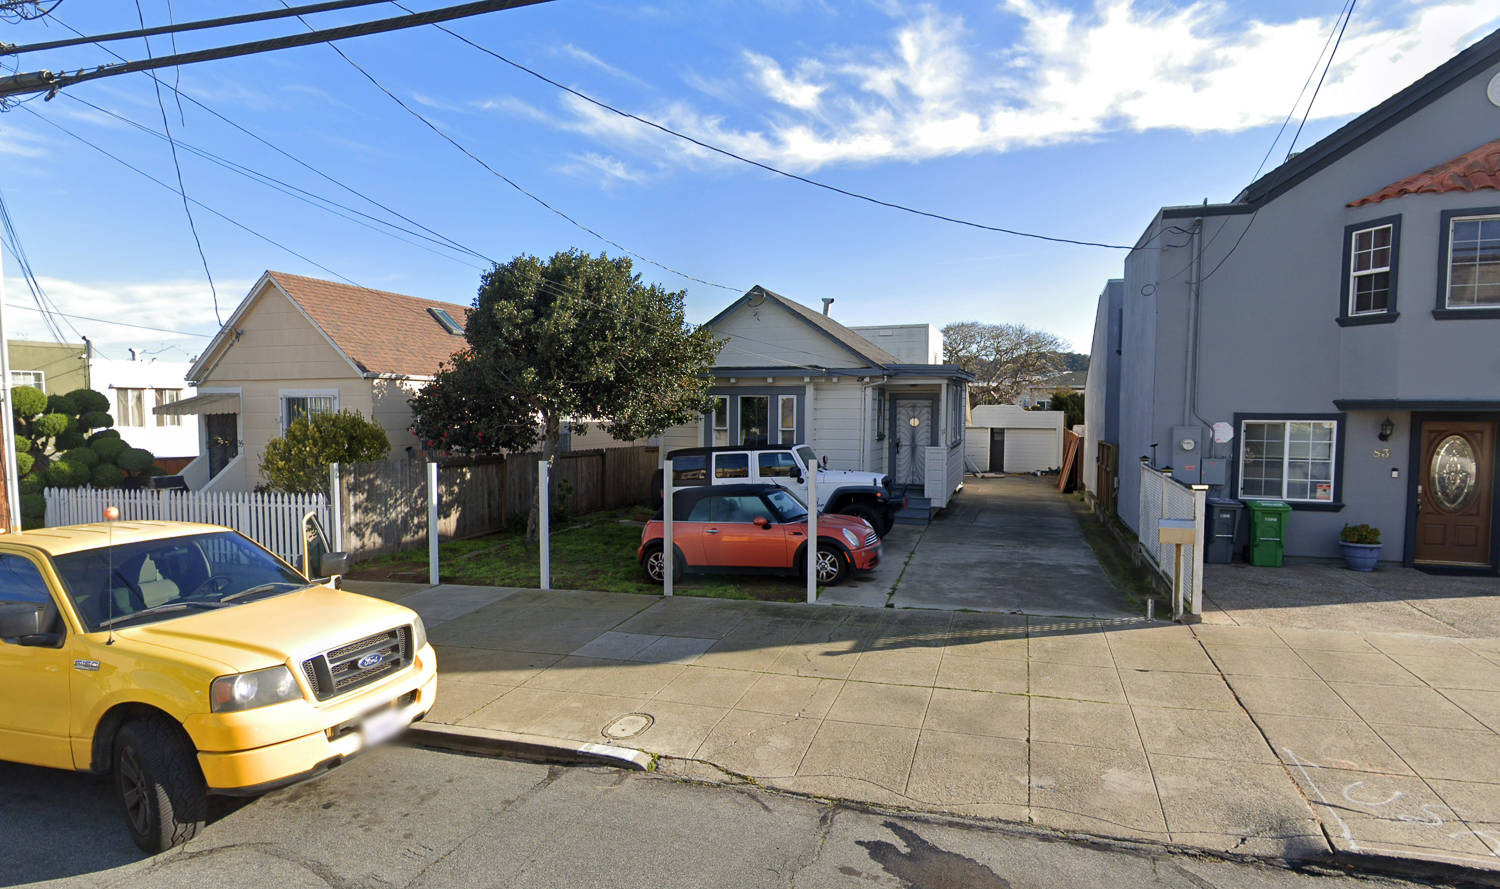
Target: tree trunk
{"x":550,"y":437}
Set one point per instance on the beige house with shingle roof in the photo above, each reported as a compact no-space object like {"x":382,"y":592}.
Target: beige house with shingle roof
{"x":299,"y":344}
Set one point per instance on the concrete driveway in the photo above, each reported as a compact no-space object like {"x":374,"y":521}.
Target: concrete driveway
{"x":1004,"y":544}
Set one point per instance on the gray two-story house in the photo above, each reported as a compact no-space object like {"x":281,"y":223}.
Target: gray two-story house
{"x":1331,"y":337}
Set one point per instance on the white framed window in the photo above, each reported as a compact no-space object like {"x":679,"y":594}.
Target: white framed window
{"x":294,"y":405}
{"x":1370,"y":270}
{"x":1473,"y":262}
{"x":1288,"y":459}
{"x":787,"y":419}
{"x":130,"y":407}
{"x":165,"y":397}
{"x":33,"y":378}
{"x":719,"y":422}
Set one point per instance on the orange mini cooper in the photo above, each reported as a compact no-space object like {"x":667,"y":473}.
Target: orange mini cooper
{"x":755,"y":529}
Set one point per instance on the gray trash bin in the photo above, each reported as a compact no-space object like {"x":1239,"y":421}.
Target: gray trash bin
{"x":1226,"y":518}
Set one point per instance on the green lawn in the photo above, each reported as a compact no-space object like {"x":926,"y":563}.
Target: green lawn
{"x":595,"y":552}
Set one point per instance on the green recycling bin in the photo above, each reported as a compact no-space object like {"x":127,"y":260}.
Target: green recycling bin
{"x":1268,"y":520}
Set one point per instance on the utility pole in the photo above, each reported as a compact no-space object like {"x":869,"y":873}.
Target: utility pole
{"x":11,"y":517}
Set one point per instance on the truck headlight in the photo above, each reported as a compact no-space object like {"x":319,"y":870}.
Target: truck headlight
{"x":418,"y":635}
{"x":246,"y":691}
{"x":849,"y":536}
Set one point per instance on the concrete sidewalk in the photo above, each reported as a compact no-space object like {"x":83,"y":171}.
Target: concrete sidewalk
{"x":1249,"y":740}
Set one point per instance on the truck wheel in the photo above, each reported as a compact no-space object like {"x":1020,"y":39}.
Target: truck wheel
{"x":869,"y":514}
{"x":832,"y":566}
{"x":651,"y":566}
{"x":161,"y":786}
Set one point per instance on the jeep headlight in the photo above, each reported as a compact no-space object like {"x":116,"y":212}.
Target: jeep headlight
{"x":849,"y":536}
{"x":246,"y":691}
{"x":418,"y":634}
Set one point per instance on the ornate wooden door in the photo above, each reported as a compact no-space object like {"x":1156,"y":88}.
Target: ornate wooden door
{"x":1456,"y":489}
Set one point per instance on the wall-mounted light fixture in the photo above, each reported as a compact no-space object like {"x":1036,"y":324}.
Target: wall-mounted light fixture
{"x":1387,"y":429}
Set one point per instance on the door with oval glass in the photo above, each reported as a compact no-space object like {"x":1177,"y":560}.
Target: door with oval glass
{"x":1455,"y":492}
{"x":911,"y":435}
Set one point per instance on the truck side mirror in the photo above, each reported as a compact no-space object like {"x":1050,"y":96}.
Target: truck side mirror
{"x":21,"y":619}
{"x":333,"y":563}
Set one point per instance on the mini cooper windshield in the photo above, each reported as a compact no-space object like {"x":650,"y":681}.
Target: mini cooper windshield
{"x":786,"y":503}
{"x":135,"y":583}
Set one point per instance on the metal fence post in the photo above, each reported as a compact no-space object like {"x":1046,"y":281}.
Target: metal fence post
{"x":335,"y":508}
{"x":668,"y":554}
{"x":544,"y":523}
{"x":812,"y":534}
{"x":432,"y":523}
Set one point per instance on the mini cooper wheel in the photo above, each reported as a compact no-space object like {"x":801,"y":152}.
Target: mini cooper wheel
{"x":832,"y":567}
{"x":161,"y":787}
{"x":651,"y":566}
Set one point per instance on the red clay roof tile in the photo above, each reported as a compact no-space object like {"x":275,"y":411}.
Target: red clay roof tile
{"x":381,"y":332}
{"x":1477,"y":169}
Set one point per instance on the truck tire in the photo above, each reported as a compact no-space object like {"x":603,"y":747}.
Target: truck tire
{"x":832,"y":566}
{"x":162,"y":791}
{"x":870,"y":514}
{"x":651,"y":566}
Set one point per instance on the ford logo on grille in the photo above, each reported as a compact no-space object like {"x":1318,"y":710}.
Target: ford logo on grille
{"x":370,"y":660}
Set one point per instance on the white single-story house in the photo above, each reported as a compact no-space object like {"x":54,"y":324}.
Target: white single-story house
{"x":136,"y":387}
{"x":297,"y":346}
{"x":788,"y":374}
{"x":1010,"y":438}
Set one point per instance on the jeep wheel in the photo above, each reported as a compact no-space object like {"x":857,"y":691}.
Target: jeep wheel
{"x":651,"y":566}
{"x":161,"y":786}
{"x":869,"y":514}
{"x":832,"y":566}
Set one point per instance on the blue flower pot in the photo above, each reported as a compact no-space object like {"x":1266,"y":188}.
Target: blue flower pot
{"x":1361,"y":556}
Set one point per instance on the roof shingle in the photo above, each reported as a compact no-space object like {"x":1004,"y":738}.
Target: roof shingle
{"x":1472,"y":171}
{"x":381,"y":332}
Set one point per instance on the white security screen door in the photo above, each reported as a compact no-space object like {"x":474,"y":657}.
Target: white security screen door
{"x":913,"y":437}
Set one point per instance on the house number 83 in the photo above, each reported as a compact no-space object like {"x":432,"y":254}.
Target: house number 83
{"x":1383,"y":453}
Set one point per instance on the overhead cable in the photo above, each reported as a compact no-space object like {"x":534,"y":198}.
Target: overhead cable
{"x":116,"y":323}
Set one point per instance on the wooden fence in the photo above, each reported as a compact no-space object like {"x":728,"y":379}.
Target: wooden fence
{"x":384,"y":505}
{"x":272,"y":520}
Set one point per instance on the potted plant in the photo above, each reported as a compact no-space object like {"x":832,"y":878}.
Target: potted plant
{"x":1361,"y":546}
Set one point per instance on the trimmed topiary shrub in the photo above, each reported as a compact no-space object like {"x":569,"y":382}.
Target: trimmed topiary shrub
{"x":27,"y":402}
{"x":23,"y":444}
{"x":52,"y":425}
{"x":88,"y":401}
{"x":31,"y":484}
{"x":103,"y":434}
{"x":107,"y":475}
{"x":96,"y":420}
{"x":24,"y":463}
{"x":62,"y":474}
{"x":109,"y":449}
{"x":135,"y":460}
{"x":61,"y":404}
{"x":33,"y":505}
{"x":82,"y":456}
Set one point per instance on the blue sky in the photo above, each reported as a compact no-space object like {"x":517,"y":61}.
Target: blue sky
{"x":1070,"y":119}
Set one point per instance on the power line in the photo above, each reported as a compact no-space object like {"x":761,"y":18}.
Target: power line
{"x":1298,"y":101}
{"x":511,"y":182}
{"x":177,"y":165}
{"x":174,"y":28}
{"x":227,"y":219}
{"x":48,"y":82}
{"x":38,"y":294}
{"x":116,"y":323}
{"x":767,"y":167}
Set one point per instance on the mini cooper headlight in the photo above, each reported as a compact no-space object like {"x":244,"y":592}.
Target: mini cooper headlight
{"x":246,"y":691}
{"x":418,"y":634}
{"x":849,"y":536}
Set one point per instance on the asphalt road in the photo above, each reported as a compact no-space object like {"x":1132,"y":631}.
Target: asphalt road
{"x":408,"y":817}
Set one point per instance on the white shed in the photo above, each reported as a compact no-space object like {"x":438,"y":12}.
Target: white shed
{"x":1009,"y":438}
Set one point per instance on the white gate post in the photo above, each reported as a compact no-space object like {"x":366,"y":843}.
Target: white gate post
{"x":544,"y":523}
{"x":335,"y":508}
{"x":812,"y":534}
{"x":432,"y":523}
{"x":668,"y":555}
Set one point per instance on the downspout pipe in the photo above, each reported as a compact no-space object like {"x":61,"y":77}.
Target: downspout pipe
{"x":1190,"y":370}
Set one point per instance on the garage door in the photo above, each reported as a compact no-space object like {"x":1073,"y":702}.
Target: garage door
{"x":1027,"y":450}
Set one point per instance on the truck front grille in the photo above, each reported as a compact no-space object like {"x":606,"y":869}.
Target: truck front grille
{"x":338,"y":671}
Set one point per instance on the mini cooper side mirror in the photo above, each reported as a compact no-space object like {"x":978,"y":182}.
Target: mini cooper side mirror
{"x":762,"y":522}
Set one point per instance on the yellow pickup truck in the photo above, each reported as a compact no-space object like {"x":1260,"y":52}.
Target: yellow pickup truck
{"x":184,"y":660}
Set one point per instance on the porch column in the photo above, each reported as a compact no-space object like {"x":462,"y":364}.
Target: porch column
{"x":809,"y":401}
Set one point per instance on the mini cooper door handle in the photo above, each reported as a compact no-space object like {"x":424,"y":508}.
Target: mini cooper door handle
{"x":711,"y":531}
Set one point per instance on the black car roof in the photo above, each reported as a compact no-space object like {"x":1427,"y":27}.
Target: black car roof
{"x":732,"y":449}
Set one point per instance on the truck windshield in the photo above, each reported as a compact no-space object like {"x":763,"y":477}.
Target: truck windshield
{"x":152,"y":580}
{"x":788,"y":505}
{"x":809,"y":459}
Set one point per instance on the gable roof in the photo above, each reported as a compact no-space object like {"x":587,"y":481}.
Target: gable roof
{"x":822,"y":324}
{"x":1470,"y":171}
{"x":1432,"y":86}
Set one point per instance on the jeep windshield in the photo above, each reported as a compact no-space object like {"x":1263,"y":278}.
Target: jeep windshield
{"x":806,"y":455}
{"x":787,"y":504}
{"x":135,"y":583}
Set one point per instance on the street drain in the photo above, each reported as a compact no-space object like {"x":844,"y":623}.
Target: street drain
{"x":628,"y":726}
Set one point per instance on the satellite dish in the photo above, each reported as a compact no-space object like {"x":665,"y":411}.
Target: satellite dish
{"x":1494,"y":90}
{"x":756,"y":299}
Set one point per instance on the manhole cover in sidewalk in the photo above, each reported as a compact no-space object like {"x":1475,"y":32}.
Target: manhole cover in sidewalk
{"x":628,"y":726}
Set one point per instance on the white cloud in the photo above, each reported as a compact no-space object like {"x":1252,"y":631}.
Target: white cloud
{"x":20,"y":142}
{"x":608,"y":169}
{"x":1125,"y":65}
{"x":182,"y":306}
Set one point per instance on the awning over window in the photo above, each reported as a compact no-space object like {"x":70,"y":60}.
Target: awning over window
{"x":213,"y":403}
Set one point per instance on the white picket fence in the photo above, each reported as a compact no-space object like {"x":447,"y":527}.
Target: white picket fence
{"x":272,"y":520}
{"x":1164,"y":497}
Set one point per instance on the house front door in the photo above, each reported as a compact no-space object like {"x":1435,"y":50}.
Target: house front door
{"x":910,"y":439}
{"x":1455,"y":492}
{"x":223,"y":434}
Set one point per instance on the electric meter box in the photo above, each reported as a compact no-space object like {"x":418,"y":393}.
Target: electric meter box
{"x":1189,"y":444}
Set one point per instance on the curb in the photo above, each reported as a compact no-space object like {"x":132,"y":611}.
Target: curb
{"x":464,"y":739}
